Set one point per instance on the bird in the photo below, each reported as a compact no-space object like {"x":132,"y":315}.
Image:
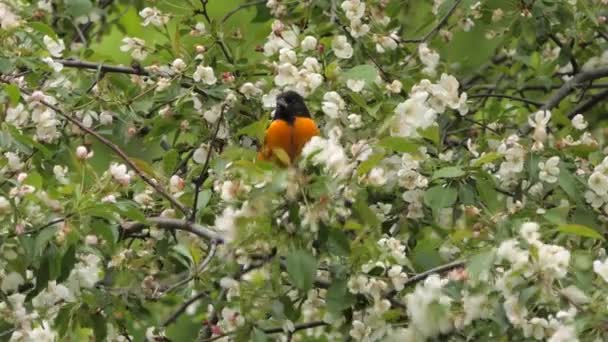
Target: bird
{"x":291,"y":128}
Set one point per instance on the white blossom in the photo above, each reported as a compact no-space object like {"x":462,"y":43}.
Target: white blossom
{"x":309,"y":43}
{"x":17,"y":116}
{"x":425,"y":320}
{"x":120,"y":174}
{"x":136,"y":46}
{"x":204,"y":74}
{"x":11,"y":281}
{"x":394,"y":87}
{"x":83,"y":153}
{"x":578,"y":122}
{"x":413,"y":114}
{"x":355,"y":85}
{"x":549,"y":170}
{"x":249,"y":90}
{"x":54,"y":46}
{"x":333,"y":104}
{"x":429,"y":58}
{"x":154,"y":16}
{"x":56,"y":66}
{"x":8,"y":19}
{"x":601,"y":268}
{"x":341,"y":47}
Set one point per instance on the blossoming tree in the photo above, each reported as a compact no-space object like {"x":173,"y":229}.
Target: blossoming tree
{"x":458,"y":191}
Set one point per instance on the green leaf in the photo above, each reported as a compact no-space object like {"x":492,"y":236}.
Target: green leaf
{"x":43,"y":238}
{"x":363,"y":211}
{"x":567,"y":182}
{"x":100,"y":327}
{"x":170,"y":162}
{"x":370,"y":163}
{"x":449,"y":172}
{"x":256,"y":129}
{"x":487,"y":158}
{"x":439,"y":197}
{"x":34,"y":179}
{"x":259,"y":335}
{"x":365,"y":72}
{"x":426,"y":253}
{"x":338,"y":298}
{"x":13,"y":92}
{"x":480,"y":263}
{"x":281,"y":155}
{"x":580,"y":230}
{"x":301,"y":268}
{"x":431,"y":133}
{"x":487,"y":193}
{"x":77,"y":8}
{"x":144,"y":166}
{"x":399,"y":144}
{"x":43,"y":28}
{"x":67,"y":263}
{"x":557,"y":215}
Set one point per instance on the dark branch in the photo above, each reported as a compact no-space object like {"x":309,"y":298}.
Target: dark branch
{"x":175,"y":315}
{"x":590,"y":103}
{"x":437,"y":27}
{"x":74,"y":63}
{"x":175,"y":224}
{"x":245,"y":5}
{"x":202,"y":177}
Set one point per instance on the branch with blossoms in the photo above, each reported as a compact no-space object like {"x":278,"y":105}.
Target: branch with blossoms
{"x":153,"y":183}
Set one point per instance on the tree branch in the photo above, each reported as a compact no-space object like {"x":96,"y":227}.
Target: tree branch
{"x":175,"y":224}
{"x":566,"y":89}
{"x":439,"y":269}
{"x":238,"y":8}
{"x":78,"y":64}
{"x":297,"y":327}
{"x":437,"y":27}
{"x":590,"y":103}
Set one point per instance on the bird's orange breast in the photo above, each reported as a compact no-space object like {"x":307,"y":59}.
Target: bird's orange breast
{"x":291,"y":138}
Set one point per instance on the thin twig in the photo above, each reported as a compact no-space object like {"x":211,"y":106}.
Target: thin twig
{"x":575,"y":67}
{"x":238,"y":8}
{"x":175,"y":224}
{"x":504,"y":96}
{"x":200,"y":269}
{"x":175,"y":315}
{"x":202,"y":177}
{"x":75,"y":63}
{"x":437,"y":27}
{"x":439,"y":269}
{"x":297,"y":327}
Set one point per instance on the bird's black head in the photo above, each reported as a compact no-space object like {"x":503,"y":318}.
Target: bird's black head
{"x":289,"y":105}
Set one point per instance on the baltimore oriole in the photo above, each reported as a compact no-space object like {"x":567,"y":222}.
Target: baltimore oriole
{"x":291,"y":128}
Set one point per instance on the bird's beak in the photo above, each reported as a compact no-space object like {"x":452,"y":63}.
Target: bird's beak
{"x":281,"y":103}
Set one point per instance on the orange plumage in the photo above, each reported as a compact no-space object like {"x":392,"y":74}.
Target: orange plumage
{"x":291,"y":128}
